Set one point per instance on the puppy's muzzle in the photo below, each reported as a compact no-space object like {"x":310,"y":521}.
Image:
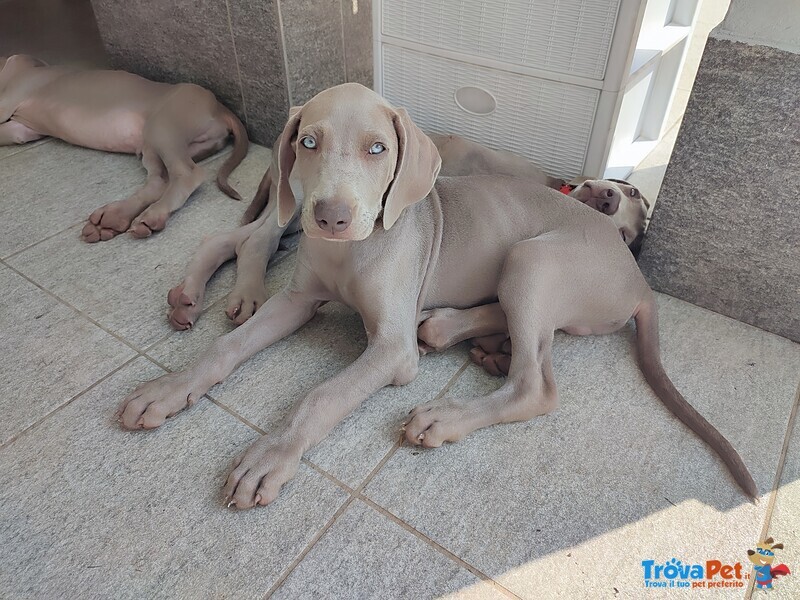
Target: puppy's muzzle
{"x":332,"y":216}
{"x":608,"y":202}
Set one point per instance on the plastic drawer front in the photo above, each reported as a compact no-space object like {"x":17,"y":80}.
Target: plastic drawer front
{"x":546,"y":121}
{"x":564,"y":36}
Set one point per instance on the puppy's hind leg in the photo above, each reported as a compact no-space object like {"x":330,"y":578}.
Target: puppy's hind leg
{"x":184,"y":178}
{"x":526,"y":298}
{"x":186,"y":298}
{"x":12,"y":132}
{"x":441,"y":328}
{"x":114,"y":218}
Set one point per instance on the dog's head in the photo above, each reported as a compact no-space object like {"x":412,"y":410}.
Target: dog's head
{"x":354,"y":162}
{"x":764,"y":554}
{"x":621,"y":201}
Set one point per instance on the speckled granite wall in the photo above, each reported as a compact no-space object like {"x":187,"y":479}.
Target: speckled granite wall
{"x":725,"y":233}
{"x":237,"y":49}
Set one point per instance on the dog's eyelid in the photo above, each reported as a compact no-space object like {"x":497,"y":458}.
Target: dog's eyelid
{"x":310,"y":131}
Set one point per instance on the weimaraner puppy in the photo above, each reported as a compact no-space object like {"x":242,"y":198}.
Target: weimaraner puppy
{"x":614,"y":197}
{"x":169,"y":126}
{"x":385,"y":237}
{"x":259,"y":237}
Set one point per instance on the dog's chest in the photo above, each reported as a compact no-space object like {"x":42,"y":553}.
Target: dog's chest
{"x":385,"y":267}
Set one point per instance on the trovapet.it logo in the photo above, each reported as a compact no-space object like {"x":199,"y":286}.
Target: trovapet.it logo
{"x":717,"y":574}
{"x":678,"y":574}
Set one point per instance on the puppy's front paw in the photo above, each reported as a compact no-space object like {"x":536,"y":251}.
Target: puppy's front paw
{"x":152,"y":403}
{"x":186,"y":303}
{"x":244,"y":301}
{"x":259,"y":474}
{"x":435,"y":423}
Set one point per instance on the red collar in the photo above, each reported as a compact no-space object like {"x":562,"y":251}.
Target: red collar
{"x":567,"y":188}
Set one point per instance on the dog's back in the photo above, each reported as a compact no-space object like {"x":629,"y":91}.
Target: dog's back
{"x":483,"y":216}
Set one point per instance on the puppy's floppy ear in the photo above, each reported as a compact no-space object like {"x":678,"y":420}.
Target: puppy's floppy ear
{"x":285,"y":162}
{"x":777,"y":546}
{"x":418,"y":164}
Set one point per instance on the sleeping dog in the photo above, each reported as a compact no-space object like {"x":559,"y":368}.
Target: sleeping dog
{"x":169,"y":126}
{"x":614,"y":197}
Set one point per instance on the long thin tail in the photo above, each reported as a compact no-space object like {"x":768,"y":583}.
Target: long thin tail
{"x":650,"y":362}
{"x":260,"y":200}
{"x":240,"y":146}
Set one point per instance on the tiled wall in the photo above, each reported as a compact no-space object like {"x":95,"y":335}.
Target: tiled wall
{"x":258,"y":56}
{"x":725,"y":230}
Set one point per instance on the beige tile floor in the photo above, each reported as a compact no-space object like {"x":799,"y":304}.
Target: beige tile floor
{"x":565,"y":505}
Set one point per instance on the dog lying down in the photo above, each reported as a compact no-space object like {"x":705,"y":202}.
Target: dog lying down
{"x":259,"y":238}
{"x":170,"y":126}
{"x":386,"y":237}
{"x":614,"y":197}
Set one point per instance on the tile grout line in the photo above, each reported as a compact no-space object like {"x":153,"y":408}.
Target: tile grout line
{"x":329,"y":476}
{"x":347,"y":489}
{"x":34,"y":244}
{"x":70,"y":306}
{"x":354,"y":493}
{"x":317,"y":536}
{"x":358,"y":493}
{"x":399,"y":443}
{"x":351,"y":498}
{"x":776,"y":484}
{"x":58,"y":408}
{"x":26,"y":148}
{"x":119,"y":338}
{"x":441,"y":549}
{"x":248,"y":423}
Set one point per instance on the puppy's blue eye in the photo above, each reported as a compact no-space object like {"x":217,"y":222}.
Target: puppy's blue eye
{"x":377,"y":148}
{"x":309,"y":142}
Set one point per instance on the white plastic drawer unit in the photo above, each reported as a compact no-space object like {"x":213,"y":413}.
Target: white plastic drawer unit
{"x":562,"y":36}
{"x":547,"y":121}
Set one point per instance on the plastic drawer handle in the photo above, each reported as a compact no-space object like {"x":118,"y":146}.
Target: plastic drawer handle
{"x":475,"y":100}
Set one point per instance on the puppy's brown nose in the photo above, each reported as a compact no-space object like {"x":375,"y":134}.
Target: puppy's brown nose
{"x":332,"y":216}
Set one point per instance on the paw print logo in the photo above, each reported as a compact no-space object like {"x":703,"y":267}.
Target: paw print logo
{"x":672,"y":568}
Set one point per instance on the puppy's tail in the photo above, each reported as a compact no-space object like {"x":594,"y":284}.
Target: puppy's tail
{"x":260,"y":200}
{"x":240,"y":146}
{"x":646,"y":318}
